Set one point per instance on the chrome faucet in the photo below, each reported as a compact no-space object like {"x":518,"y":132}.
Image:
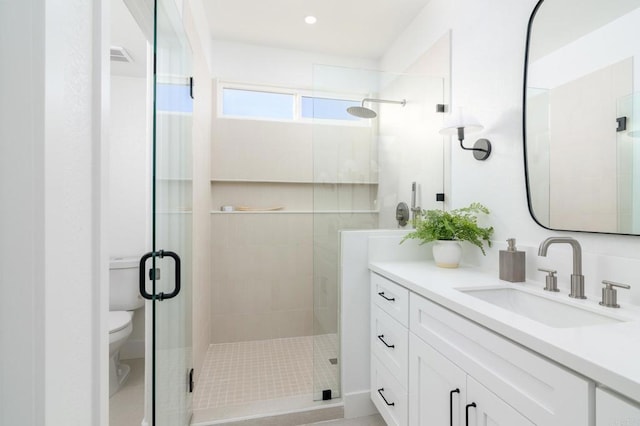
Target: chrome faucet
{"x":577,"y":279}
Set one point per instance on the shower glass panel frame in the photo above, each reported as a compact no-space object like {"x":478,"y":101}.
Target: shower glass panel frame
{"x":169,"y":387}
{"x":627,"y":159}
{"x":355,"y":183}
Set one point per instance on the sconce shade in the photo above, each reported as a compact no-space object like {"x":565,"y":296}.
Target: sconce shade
{"x":459,"y":123}
{"x":459,"y":119}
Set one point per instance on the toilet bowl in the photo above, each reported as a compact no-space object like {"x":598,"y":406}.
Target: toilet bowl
{"x":124,"y":299}
{"x":120,"y":328}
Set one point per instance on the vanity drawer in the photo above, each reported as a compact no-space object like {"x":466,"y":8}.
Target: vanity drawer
{"x":390,"y":343}
{"x":541,"y":390}
{"x":389,"y":397}
{"x":611,"y":409}
{"x":391,"y":298}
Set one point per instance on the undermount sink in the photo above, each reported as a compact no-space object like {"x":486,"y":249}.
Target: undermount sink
{"x":545,"y":310}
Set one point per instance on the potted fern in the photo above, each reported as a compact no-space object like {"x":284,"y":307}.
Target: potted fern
{"x":447,"y":229}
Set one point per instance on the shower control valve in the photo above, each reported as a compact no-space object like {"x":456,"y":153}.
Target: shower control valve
{"x":402,"y":214}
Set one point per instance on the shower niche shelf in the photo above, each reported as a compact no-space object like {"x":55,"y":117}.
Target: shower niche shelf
{"x":296,"y":197}
{"x":300,"y":182}
{"x":299,"y":212}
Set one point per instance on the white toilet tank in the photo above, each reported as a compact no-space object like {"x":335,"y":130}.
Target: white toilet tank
{"x":123,"y":284}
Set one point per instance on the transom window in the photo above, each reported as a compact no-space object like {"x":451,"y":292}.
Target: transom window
{"x":173,"y":98}
{"x":254,"y":103}
{"x":286,"y":105}
{"x":327,"y":109}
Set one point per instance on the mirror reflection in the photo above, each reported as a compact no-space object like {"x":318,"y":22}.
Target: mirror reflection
{"x":582,"y":137}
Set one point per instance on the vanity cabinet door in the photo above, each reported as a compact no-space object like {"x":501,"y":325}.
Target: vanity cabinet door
{"x":437,"y":387}
{"x":541,"y":390}
{"x":388,"y":395}
{"x":484,"y":408}
{"x":611,"y":410}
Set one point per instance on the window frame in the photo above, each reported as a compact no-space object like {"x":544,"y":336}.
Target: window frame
{"x":297,"y":94}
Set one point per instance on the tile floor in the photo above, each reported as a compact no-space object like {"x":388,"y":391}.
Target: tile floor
{"x":273,"y":374}
{"x":360,"y":421}
{"x":248,"y":372}
{"x":126,"y":408}
{"x":326,"y":371}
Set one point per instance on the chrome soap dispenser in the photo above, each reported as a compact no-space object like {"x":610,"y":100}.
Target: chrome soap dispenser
{"x":512,"y":263}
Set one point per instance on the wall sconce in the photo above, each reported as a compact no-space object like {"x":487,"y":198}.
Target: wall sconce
{"x":459,"y":122}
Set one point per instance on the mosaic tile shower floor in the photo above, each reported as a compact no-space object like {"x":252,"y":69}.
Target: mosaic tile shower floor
{"x":250,"y":372}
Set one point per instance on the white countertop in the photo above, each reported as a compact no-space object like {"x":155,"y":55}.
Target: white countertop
{"x":608,"y":354}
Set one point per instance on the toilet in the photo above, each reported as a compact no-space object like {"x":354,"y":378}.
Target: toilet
{"x":123,"y":300}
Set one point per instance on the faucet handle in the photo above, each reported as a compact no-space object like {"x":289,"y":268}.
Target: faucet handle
{"x":610,"y":295}
{"x":551,"y":281}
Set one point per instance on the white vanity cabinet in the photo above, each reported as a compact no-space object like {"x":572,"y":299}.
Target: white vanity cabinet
{"x":456,"y":366}
{"x":612,"y":410}
{"x":389,"y":349}
{"x":540,"y":390}
{"x":440,"y":393}
{"x":438,"y":387}
{"x":484,"y":408}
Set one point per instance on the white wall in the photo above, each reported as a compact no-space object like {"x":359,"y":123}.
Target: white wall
{"x":22,"y":226}
{"x":410,"y":147}
{"x":488,"y":42}
{"x":129,"y":184}
{"x":273,"y":66}
{"x":53,"y":346}
{"x":129,"y":169}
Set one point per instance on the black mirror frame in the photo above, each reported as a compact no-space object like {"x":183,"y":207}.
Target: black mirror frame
{"x":524,"y":135}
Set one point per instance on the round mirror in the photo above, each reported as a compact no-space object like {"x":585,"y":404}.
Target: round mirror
{"x":582,"y":115}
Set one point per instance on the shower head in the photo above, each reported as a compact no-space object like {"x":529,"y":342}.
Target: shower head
{"x":363,"y":112}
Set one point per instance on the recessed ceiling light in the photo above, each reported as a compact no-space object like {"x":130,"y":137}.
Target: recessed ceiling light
{"x":310,"y":20}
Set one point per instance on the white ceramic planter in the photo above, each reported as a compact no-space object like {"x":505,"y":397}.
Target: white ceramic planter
{"x":447,"y":254}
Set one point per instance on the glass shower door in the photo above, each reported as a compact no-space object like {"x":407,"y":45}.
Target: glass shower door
{"x":357,"y":170}
{"x":167,"y":268}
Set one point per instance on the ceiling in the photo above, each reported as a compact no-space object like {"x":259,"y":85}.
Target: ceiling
{"x":357,"y":28}
{"x":360,"y":28}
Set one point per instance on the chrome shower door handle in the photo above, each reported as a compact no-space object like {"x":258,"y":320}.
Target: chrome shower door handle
{"x":142,"y":281}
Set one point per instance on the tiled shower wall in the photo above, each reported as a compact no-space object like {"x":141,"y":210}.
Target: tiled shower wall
{"x":262,"y":266}
{"x":600,"y":193}
{"x":263,"y":263}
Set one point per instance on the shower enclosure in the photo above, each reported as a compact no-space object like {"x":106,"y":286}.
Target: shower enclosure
{"x":282,"y":189}
{"x":359,"y":170}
